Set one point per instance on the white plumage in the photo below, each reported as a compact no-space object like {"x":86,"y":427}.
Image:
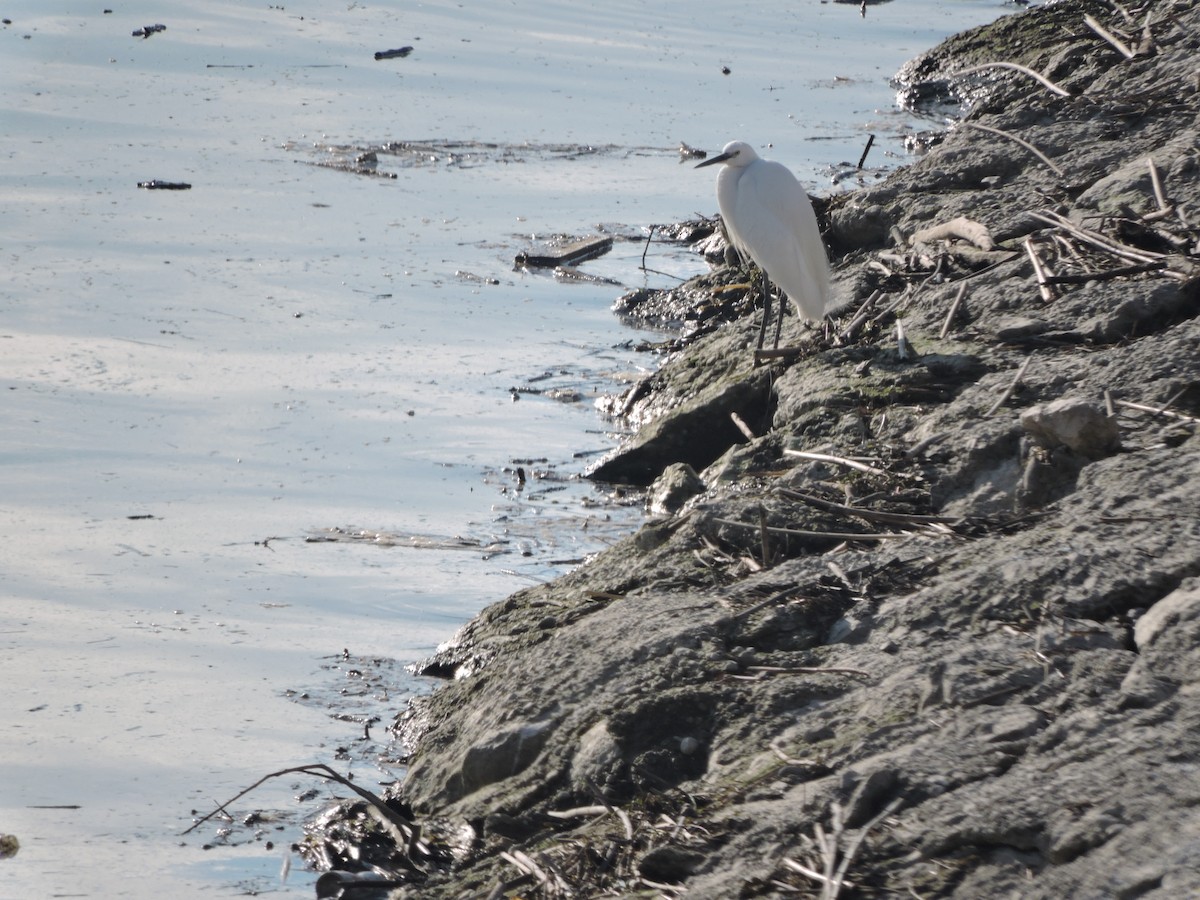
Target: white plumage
{"x":769,"y":218}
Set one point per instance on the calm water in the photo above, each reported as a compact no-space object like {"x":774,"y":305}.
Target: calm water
{"x":197,"y":381}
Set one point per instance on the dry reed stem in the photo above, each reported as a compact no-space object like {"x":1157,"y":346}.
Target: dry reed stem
{"x":1024,"y":143}
{"x":791,"y":760}
{"x":1156,"y":410}
{"x":742,"y":426}
{"x":1024,"y":70}
{"x":852,"y":850}
{"x":1008,"y":391}
{"x":808,"y":670}
{"x":1039,"y":271}
{"x":831,"y":535}
{"x":1156,"y":180}
{"x":837,"y":460}
{"x":871,"y":515}
{"x":402,"y":831}
{"x":1112,"y":39}
{"x":950,"y":314}
{"x":860,"y":317}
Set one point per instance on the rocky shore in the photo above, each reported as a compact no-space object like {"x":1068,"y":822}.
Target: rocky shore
{"x":919,"y":610}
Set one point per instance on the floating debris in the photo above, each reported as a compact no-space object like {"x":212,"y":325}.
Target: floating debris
{"x":146,"y":30}
{"x":577,"y":276}
{"x":394,"y":54}
{"x":157,"y":185}
{"x":566,"y":254}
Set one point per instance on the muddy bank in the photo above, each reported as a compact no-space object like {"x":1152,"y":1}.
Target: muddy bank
{"x":928,"y":619}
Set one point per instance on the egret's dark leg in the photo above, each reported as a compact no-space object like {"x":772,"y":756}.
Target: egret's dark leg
{"x":779,"y":318}
{"x":766,"y":295}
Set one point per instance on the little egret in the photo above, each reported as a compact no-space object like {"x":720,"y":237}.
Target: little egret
{"x":769,"y":218}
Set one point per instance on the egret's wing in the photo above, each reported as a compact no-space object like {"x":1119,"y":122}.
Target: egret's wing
{"x":774,"y":220}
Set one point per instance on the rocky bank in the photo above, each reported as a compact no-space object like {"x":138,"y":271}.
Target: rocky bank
{"x":925,"y":621}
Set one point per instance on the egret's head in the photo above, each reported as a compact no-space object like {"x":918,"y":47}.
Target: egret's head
{"x":735,"y":153}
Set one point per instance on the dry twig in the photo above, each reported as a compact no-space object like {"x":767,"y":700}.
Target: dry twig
{"x":870,"y":515}
{"x":831,"y":535}
{"x":1156,"y":410}
{"x":742,"y":426}
{"x":837,"y":460}
{"x":1024,"y":143}
{"x":1039,"y":271}
{"x":1008,"y":391}
{"x":1115,"y":41}
{"x":807,"y":670}
{"x":953,"y":311}
{"x":1024,"y":70}
{"x":1156,"y":180}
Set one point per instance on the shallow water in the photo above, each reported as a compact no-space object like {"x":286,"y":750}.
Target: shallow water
{"x":197,"y":382}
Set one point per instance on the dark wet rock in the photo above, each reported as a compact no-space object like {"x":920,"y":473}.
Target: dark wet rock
{"x":895,"y":625}
{"x":696,"y":433}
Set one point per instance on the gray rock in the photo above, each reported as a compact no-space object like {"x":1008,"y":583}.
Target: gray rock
{"x":678,"y":484}
{"x":1074,"y":423}
{"x":502,"y":755}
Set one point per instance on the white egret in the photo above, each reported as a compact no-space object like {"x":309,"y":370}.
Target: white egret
{"x":769,"y":218}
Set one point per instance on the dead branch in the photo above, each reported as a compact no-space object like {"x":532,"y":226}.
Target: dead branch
{"x":1094,"y":238}
{"x":401,"y":831}
{"x":811,"y":873}
{"x":852,"y":849}
{"x":1107,"y":274}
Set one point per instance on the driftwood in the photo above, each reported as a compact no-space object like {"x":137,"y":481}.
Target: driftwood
{"x":961,"y":227}
{"x":566,"y":255}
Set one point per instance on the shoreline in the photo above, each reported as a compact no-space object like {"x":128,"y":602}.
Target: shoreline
{"x":936,"y":627}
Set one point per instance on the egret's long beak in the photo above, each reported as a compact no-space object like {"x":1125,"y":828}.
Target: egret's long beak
{"x":712,"y":162}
